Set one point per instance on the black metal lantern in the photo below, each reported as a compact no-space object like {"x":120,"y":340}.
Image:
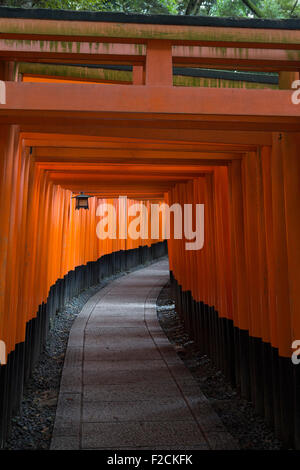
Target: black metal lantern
{"x":82,"y":201}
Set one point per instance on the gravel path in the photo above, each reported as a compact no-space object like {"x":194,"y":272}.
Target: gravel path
{"x":237,"y":414}
{"x":32,"y":428}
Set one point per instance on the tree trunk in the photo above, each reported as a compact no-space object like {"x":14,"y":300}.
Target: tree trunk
{"x":253,"y":8}
{"x":193,"y":7}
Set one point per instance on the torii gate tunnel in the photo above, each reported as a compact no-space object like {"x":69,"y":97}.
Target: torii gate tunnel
{"x":164,"y":109}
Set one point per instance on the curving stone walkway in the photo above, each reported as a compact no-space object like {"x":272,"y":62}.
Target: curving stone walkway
{"x":123,"y":386}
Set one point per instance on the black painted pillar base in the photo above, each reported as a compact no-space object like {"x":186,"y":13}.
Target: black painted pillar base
{"x":251,"y":365}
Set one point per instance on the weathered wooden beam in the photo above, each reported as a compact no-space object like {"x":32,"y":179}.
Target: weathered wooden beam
{"x":95,"y":52}
{"x":73,"y":72}
{"x":148,"y":102}
{"x":140,"y":33}
{"x":192,"y":56}
{"x":238,"y":57}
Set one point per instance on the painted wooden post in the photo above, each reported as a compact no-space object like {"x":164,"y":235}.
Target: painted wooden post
{"x":159,"y":63}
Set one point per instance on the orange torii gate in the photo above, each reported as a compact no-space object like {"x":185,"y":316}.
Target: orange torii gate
{"x":93,"y":100}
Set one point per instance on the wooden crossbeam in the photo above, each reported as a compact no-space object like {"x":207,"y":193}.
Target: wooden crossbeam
{"x":163,"y":102}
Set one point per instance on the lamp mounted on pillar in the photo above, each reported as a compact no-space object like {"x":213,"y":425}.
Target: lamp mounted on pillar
{"x":82,"y":200}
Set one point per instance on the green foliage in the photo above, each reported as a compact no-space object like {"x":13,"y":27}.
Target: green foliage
{"x":125,"y":6}
{"x":227,"y":8}
{"x":240,"y":8}
{"x":279,"y":8}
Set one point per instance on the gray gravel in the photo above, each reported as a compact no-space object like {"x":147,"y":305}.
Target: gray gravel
{"x":237,"y":414}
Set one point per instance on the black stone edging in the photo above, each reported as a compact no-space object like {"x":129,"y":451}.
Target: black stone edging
{"x":115,"y":17}
{"x":21,"y":361}
{"x":271,"y":382}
